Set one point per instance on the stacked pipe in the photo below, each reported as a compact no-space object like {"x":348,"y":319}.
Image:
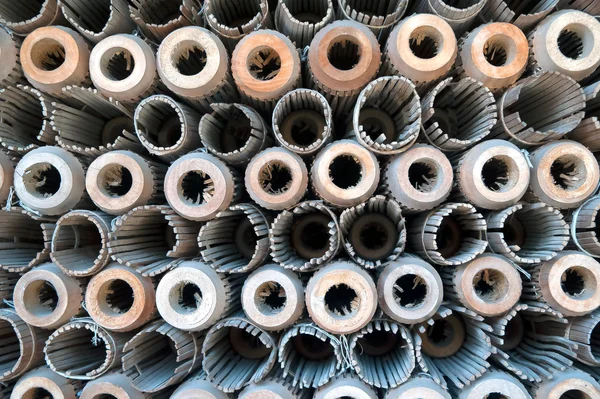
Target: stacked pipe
{"x":299,"y":198}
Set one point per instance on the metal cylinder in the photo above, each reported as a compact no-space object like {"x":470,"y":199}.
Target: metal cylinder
{"x":421,"y":47}
{"x":495,"y":383}
{"x":524,"y":15}
{"x":98,"y":20}
{"x":302,"y":122}
{"x":45,"y":297}
{"x":236,"y":353}
{"x":274,"y":388}
{"x":342,"y":58}
{"x":163,"y":353}
{"x":305,"y":237}
{"x":450,"y":235}
{"x":157,"y":232}
{"x":459,"y":14}
{"x":43,"y":382}
{"x":276,"y":178}
{"x":265,"y":66}
{"x":25,"y":19}
{"x":11,"y":72}
{"x":419,"y":179}
{"x":341,"y":297}
{"x":493,"y":174}
{"x":418,"y":386}
{"x":583,"y":227}
{"x":234,"y":133}
{"x":564,"y":174}
{"x":379,"y":15}
{"x":120,"y":299}
{"x":53,"y":57}
{"x":116,"y":384}
{"x":457,"y":115}
{"x":584,"y":331}
{"x":410,"y":290}
{"x":345,"y":385}
{"x":301,"y":20}
{"x":157,"y":18}
{"x":192,"y":297}
{"x":495,"y":54}
{"x":166,"y":128}
{"x":197,"y":386}
{"x":587,"y":131}
{"x":7,"y":173}
{"x":83,"y":350}
{"x":199,"y":185}
{"x":567,"y":383}
{"x":118,"y":181}
{"x":527,"y":233}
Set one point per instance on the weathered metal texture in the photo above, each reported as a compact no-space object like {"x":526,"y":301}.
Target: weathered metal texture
{"x":11,"y":72}
{"x":583,"y":227}
{"x":460,"y":15}
{"x":523,"y":14}
{"x":584,"y":331}
{"x":197,"y":386}
{"x":588,"y":129}
{"x":495,"y":382}
{"x":157,"y":18}
{"x":300,"y":20}
{"x":26,"y":18}
{"x":44,"y":381}
{"x":115,"y":383}
{"x":570,"y":382}
{"x":420,"y":386}
{"x":379,"y":15}
{"x":345,"y":385}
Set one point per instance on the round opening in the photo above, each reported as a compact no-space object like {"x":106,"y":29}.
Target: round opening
{"x":102,"y":14}
{"x":264,"y":63}
{"x":568,"y":172}
{"x":104,"y":396}
{"x":159,"y":124}
{"x":513,"y":333}
{"x":344,"y":54}
{"x":495,"y":52}
{"x":47,"y":54}
{"x":186,"y":298}
{"x":495,"y":395}
{"x":307,"y":11}
{"x":461,"y":4}
{"x":245,"y":238}
{"x":490,"y":285}
{"x":117,"y":64}
{"x":155,"y":360}
{"x":374,"y":236}
{"x":422,"y":45}
{"x":37,"y":393}
{"x":310,"y":235}
{"x":81,"y":234}
{"x":116,"y":297}
{"x":449,"y":238}
{"x":113,"y":129}
{"x":190,"y":59}
{"x":78,"y":351}
{"x":578,"y":282}
{"x":42,"y":180}
{"x":197,"y":188}
{"x":570,"y":44}
{"x":270,"y":298}
{"x":514,"y":232}
{"x":275,"y":177}
{"x":341,"y":300}
{"x":303,"y":128}
{"x":159,"y":12}
{"x":378,"y":125}
{"x":575,"y":394}
{"x":410,"y":291}
{"x":496,"y":174}
{"x":247,"y":345}
{"x":345,"y":171}
{"x":379,"y":343}
{"x":422,"y":175}
{"x":115,"y":180}
{"x":445,"y":337}
{"x":40,"y":298}
{"x":235,"y":17}
{"x":312,"y":348}
{"x":236,"y":132}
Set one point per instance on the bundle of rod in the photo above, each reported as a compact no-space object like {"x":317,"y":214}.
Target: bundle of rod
{"x":123,"y":67}
{"x":302,"y":122}
{"x":160,"y":356}
{"x":567,"y":383}
{"x":236,"y":240}
{"x":265,"y":66}
{"x":81,"y":349}
{"x":345,"y":385}
{"x":374,"y":232}
{"x":387,"y":115}
{"x":274,"y":387}
{"x":236,"y":352}
{"x":53,"y":57}
{"x":568,"y":283}
{"x":576,"y":33}
{"x":419,"y":386}
{"x":24,"y":115}
{"x":7,"y":285}
{"x":192,"y":297}
{"x":379,"y":16}
{"x":193,"y":63}
{"x":45,"y":383}
{"x":157,"y":233}
{"x":421,"y":47}
{"x":449,"y":235}
{"x":495,"y":54}
{"x":341,"y":298}
{"x":79,"y":242}
{"x":11,"y":72}
{"x":454,"y":344}
{"x":301,"y":20}
{"x":583,"y":227}
{"x":309,"y":357}
{"x":166,"y":128}
{"x":45,"y":297}
{"x":198,"y":186}
{"x":459,"y":14}
{"x":587,"y":131}
{"x":493,"y":174}
{"x":305,"y":237}
{"x":51,"y":181}
{"x":494,"y":384}
{"x":157,"y":18}
{"x":118,"y":181}
{"x":21,"y":345}
{"x":589,"y":6}
{"x":25,"y":18}
{"x":342,"y":58}
{"x":116,"y":384}
{"x":523,"y":14}
{"x":273,"y":297}
{"x":98,"y":20}
{"x":527,"y":233}
{"x":383,"y":354}
{"x":234,"y":133}
{"x":7,"y":174}
{"x":25,"y":239}
{"x":344,"y":173}
{"x":564,"y":174}
{"x":410,"y":290}
{"x":489,"y":285}
{"x":526,"y":352}
{"x":197,"y":386}
{"x":419,"y":179}
{"x":457,"y":115}
{"x":120,"y":299}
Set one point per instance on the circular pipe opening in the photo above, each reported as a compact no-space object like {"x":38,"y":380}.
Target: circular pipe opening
{"x":186,"y":297}
{"x":570,"y":44}
{"x":40,"y":298}
{"x":345,"y":171}
{"x":264,"y":63}
{"x":76,"y":351}
{"x":575,"y":394}
{"x":568,"y":172}
{"x":450,"y":237}
{"x":497,"y":174}
{"x":115,"y":180}
{"x":422,"y":44}
{"x":496,"y":52}
{"x":234,"y":134}
{"x":47,"y":54}
{"x":423,"y":176}
{"x":190,"y":58}
{"x":77,"y":243}
{"x":270,"y":298}
{"x":310,"y":235}
{"x":246,"y":345}
{"x":578,"y":283}
{"x":344,"y":53}
{"x":307,"y":11}
{"x":117,"y":64}
{"x":312,"y":348}
{"x":444,"y":337}
{"x":115,"y":297}
{"x":275,"y":177}
{"x":341,"y":300}
{"x":234,"y":17}
{"x":490,"y":285}
{"x":37,"y":393}
{"x":155,"y":355}
{"x":196,"y":188}
{"x":161,"y":126}
{"x":410,"y":291}
{"x":42,"y":180}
